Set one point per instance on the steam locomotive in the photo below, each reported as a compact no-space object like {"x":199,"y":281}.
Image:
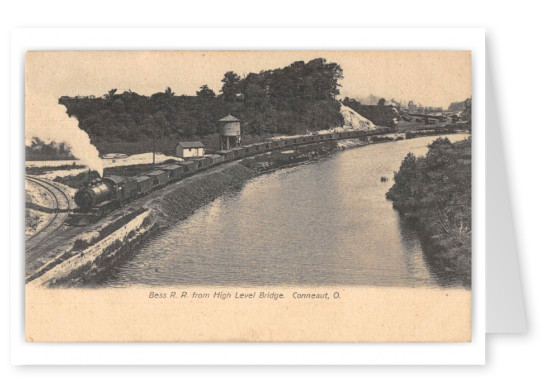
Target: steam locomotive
{"x":102,"y":196}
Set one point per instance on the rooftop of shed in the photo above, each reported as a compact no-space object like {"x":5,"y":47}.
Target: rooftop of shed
{"x":191,"y":144}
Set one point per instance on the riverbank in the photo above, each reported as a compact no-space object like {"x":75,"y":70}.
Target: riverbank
{"x":176,"y":203}
{"x":88,"y":258}
{"x":433,"y":195}
{"x":182,"y":200}
{"x":321,"y":222}
{"x":94,"y":252}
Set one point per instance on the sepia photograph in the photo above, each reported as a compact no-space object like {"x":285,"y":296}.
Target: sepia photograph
{"x":240,"y":196}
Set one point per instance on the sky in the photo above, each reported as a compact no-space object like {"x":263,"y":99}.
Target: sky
{"x":431,"y":78}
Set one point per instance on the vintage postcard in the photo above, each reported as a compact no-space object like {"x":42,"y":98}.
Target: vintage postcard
{"x":248,"y":196}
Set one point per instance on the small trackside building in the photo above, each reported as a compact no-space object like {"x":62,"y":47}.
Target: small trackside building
{"x":190,"y":149}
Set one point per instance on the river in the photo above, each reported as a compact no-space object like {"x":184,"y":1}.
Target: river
{"x":322,"y":223}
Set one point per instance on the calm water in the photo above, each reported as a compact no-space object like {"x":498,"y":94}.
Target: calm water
{"x":327,"y":222}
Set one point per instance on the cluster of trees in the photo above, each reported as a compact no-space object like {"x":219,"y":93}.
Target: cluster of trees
{"x":434,"y":192}
{"x":290,"y":100}
{"x":40,"y":150}
{"x":460,"y":106}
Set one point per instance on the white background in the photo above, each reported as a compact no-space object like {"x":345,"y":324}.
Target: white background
{"x":247,"y":354}
{"x":517,"y":46}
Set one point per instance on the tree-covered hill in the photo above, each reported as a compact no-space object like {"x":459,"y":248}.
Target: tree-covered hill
{"x":293,"y":99}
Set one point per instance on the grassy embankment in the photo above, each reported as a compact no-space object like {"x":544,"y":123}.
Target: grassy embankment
{"x":433,"y":193}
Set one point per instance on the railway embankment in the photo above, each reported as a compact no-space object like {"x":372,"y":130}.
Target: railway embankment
{"x":89,"y":257}
{"x":93,"y":253}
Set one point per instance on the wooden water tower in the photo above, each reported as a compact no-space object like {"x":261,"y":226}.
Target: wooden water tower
{"x":229,"y":129}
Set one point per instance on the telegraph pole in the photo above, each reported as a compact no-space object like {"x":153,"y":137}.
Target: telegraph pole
{"x":154,"y":147}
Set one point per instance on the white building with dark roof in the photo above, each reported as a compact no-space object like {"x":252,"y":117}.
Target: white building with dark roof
{"x":190,"y":149}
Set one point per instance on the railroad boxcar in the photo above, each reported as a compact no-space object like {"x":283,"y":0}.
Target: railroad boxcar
{"x":226,"y":155}
{"x":239,"y":152}
{"x":209,"y":159}
{"x":247,"y":150}
{"x":217,"y":159}
{"x":190,"y":166}
{"x":200,"y":162}
{"x":261,"y":147}
{"x":128,"y":190}
{"x":145,"y":184}
{"x":160,"y":177}
{"x":175,"y":171}
{"x":258,"y":147}
{"x":207,"y":162}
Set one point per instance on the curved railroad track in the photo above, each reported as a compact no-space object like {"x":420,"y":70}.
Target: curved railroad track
{"x":61,"y":211}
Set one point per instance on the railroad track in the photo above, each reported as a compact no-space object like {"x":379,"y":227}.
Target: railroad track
{"x":61,"y":211}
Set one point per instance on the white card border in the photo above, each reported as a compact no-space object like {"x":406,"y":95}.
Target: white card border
{"x":23,"y":353}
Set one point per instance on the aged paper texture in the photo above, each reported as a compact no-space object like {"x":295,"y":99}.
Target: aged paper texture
{"x":248,"y":196}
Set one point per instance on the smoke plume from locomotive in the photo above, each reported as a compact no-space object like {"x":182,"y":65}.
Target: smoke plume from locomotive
{"x":50,"y":122}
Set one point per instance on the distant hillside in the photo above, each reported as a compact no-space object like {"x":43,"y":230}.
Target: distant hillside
{"x":294,"y":99}
{"x":457,"y":106}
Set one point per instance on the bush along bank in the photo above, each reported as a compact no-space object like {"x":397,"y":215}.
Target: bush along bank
{"x":433,"y":194}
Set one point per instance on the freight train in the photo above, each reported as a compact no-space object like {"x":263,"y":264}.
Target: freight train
{"x":102,"y":196}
